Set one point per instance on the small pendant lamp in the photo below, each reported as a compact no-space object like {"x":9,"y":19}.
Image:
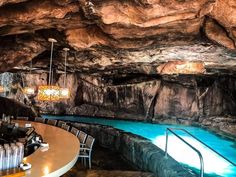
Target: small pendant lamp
{"x":65,"y":92}
{"x":49,"y":92}
{"x":29,"y":90}
{"x":2,"y":88}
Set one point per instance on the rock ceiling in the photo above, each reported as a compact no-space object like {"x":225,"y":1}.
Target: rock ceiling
{"x":120,"y":36}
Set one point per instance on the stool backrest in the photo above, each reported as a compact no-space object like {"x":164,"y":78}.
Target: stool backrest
{"x":59,"y":124}
{"x":39,"y":119}
{"x":82,"y":137}
{"x":52,"y":122}
{"x":22,"y":118}
{"x":89,"y":142}
{"x":65,"y":127}
{"x":74,"y":131}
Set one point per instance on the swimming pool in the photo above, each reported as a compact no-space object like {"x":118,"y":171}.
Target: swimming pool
{"x":214,"y":165}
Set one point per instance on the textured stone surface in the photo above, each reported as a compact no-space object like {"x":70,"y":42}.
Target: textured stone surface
{"x":4,"y":2}
{"x":111,"y":37}
{"x":217,"y":33}
{"x":137,"y":150}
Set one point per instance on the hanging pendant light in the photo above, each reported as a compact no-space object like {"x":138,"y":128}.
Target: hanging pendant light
{"x":49,"y":92}
{"x":64,"y":91}
{"x":29,"y":90}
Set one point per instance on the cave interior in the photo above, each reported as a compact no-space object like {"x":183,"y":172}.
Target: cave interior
{"x":156,"y":61}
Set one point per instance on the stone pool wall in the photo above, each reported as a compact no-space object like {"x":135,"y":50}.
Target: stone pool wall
{"x":137,"y":150}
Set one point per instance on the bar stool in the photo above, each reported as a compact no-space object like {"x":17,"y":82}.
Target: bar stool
{"x":39,"y":119}
{"x":65,"y":127}
{"x":52,"y":122}
{"x":59,"y":123}
{"x":74,"y":131}
{"x":22,"y":118}
{"x":86,"y":151}
{"x":82,"y":137}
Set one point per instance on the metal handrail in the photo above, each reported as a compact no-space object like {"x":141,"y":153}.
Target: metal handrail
{"x":204,"y":144}
{"x":197,"y":151}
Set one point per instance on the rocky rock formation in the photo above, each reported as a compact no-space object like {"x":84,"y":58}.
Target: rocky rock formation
{"x":111,"y":36}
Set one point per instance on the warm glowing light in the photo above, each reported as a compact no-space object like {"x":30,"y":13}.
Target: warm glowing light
{"x":2,"y":89}
{"x":182,"y":153}
{"x":28,"y":90}
{"x":46,"y":170}
{"x":25,"y":159}
{"x":64,"y":93}
{"x":49,"y":93}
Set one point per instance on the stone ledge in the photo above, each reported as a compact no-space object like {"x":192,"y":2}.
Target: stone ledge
{"x":116,"y":173}
{"x":137,"y":150}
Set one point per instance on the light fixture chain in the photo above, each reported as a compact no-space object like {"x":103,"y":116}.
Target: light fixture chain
{"x":30,"y":66}
{"x":65,"y":69}
{"x":50,"y":68}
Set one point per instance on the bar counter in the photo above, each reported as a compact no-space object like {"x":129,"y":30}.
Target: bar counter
{"x":61,"y":156}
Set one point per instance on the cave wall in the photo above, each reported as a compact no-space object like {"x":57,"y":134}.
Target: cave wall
{"x":208,"y":100}
{"x":186,"y":97}
{"x":204,"y":97}
{"x":125,"y":101}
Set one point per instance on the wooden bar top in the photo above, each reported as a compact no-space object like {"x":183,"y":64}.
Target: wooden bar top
{"x":61,"y":156}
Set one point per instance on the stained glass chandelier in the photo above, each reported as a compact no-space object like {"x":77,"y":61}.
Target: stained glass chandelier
{"x":49,"y":92}
{"x":29,"y":90}
{"x":64,"y":91}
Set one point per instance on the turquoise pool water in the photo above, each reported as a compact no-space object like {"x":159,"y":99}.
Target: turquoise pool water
{"x":214,"y":165}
